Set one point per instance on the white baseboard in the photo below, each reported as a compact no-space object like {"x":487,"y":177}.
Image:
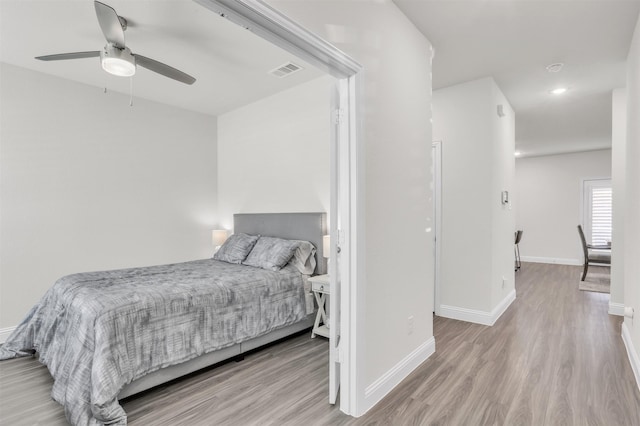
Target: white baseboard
{"x":476,"y":316}
{"x":503,"y":306}
{"x":5,"y":333}
{"x":556,"y":260}
{"x":616,"y":309}
{"x":465,"y":314}
{"x":385,"y":384}
{"x":632,"y":353}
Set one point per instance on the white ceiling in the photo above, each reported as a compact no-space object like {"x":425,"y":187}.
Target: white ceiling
{"x":514,"y":40}
{"x":511,"y":40}
{"x":230,"y":64}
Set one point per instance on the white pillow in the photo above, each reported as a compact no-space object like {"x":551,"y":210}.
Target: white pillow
{"x":304,"y":258}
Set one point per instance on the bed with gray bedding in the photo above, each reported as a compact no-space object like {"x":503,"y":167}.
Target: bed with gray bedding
{"x":98,"y":332}
{"x":146,"y":319}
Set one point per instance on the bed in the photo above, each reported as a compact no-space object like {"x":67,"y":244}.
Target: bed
{"x":107,"y":335}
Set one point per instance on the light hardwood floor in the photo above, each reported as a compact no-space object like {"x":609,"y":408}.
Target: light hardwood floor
{"x":554,"y":358}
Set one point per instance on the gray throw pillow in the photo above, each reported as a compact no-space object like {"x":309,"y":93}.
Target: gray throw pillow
{"x":271,"y":253}
{"x":236,"y":248}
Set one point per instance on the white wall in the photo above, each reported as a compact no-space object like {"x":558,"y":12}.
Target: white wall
{"x":477,"y":229}
{"x":89,"y":183}
{"x":618,"y":163}
{"x":396,"y":138}
{"x":273,"y":155}
{"x":631,"y":328}
{"x":503,"y":216}
{"x":548,"y":203}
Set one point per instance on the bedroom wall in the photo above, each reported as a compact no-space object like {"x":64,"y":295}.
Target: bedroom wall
{"x":89,"y":183}
{"x":280,"y":163}
{"x":477,"y":229}
{"x":618,"y":165}
{"x":548,"y":203}
{"x":396,"y":154}
{"x":631,"y":326}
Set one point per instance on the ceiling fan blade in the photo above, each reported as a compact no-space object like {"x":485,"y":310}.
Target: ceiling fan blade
{"x":164,"y":69}
{"x":110,"y":24}
{"x":64,"y":56}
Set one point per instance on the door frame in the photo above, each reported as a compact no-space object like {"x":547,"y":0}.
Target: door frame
{"x":437,"y":222}
{"x":266,"y":22}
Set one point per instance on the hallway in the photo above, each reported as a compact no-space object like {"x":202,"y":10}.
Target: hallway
{"x":555,"y":357}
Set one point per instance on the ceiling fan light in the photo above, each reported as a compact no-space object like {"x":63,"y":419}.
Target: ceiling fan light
{"x":117,"y":61}
{"x":118,"y":67}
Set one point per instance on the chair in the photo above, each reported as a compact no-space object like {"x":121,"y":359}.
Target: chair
{"x":517,"y":249}
{"x":591,"y":258}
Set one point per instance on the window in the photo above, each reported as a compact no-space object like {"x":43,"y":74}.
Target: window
{"x":597,"y":211}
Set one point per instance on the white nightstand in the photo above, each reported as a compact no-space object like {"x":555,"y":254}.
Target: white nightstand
{"x":320,"y":286}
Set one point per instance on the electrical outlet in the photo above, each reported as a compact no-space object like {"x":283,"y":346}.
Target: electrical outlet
{"x":410,"y":322}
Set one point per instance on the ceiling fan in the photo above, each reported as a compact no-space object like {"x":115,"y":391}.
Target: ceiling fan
{"x":115,"y":57}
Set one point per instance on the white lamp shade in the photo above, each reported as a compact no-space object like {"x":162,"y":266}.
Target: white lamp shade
{"x":326,"y":246}
{"x":219,"y":236}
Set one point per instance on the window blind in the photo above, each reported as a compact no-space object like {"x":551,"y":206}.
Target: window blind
{"x":601,"y":200}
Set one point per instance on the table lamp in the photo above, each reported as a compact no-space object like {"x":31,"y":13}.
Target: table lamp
{"x":218,"y":237}
{"x":326,"y":249}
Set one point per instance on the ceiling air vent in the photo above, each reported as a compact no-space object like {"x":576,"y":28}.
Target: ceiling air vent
{"x":285,"y":70}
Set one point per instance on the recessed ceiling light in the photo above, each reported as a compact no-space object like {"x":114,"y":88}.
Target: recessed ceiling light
{"x":557,"y":67}
{"x":558,"y":91}
{"x":517,"y":153}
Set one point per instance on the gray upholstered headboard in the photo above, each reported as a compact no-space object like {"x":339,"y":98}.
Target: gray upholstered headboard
{"x":292,"y":226}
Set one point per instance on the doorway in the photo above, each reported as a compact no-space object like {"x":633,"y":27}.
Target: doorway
{"x":346,"y":203}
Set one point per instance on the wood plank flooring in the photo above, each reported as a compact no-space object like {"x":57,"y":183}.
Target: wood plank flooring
{"x":554,"y":358}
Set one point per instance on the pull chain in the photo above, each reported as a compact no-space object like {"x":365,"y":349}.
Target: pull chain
{"x":131,"y":91}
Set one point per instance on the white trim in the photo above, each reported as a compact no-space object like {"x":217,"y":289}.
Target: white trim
{"x":616,"y":309}
{"x":632,"y":353}
{"x":5,"y":333}
{"x":503,"y":306}
{"x":356,"y":292}
{"x":465,"y":314}
{"x":476,"y":316}
{"x":389,"y":380}
{"x":437,"y":212}
{"x":266,"y":22}
{"x":335,"y":279}
{"x":553,"y":260}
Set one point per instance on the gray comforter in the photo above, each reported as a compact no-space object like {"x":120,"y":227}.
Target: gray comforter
{"x":98,"y":331}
